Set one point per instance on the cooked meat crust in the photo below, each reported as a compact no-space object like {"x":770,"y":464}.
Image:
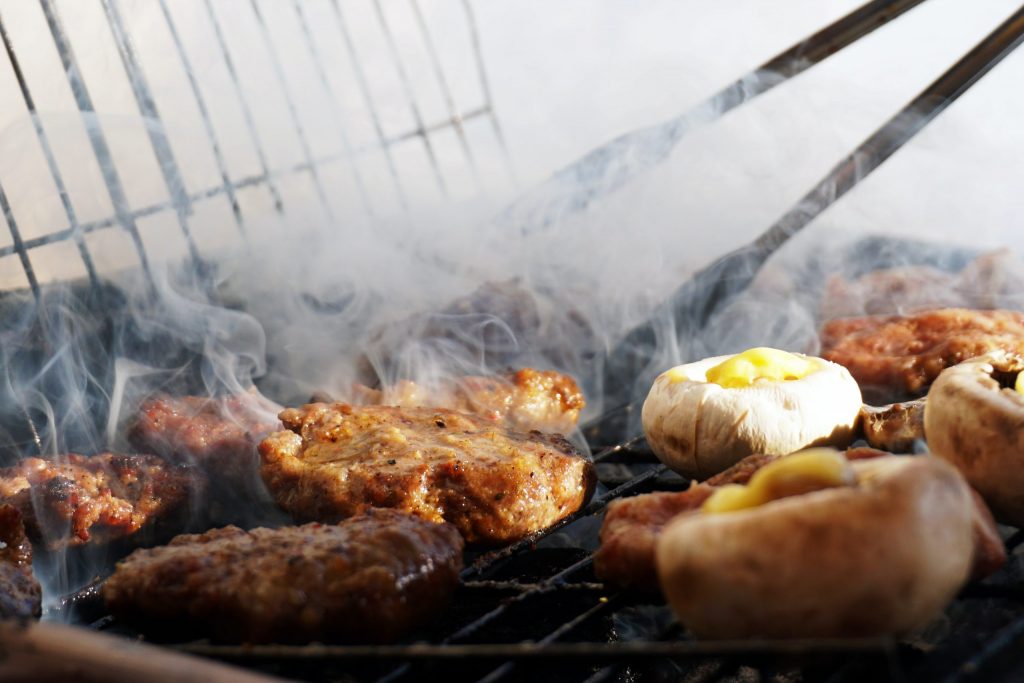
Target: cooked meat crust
{"x":897,"y":357}
{"x":20,"y":594}
{"x":526,"y":399}
{"x":895,"y":427}
{"x":74,"y":499}
{"x":495,"y":485}
{"x":218,"y":434}
{"x":370,"y":578}
{"x":632,"y":525}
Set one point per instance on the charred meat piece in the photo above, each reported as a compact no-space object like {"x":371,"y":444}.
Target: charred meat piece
{"x":495,"y":485}
{"x":898,"y":357}
{"x":632,"y":525}
{"x":217,"y":434}
{"x":20,"y":594}
{"x":73,"y":499}
{"x":895,"y":427}
{"x":370,"y":578}
{"x":525,"y":399}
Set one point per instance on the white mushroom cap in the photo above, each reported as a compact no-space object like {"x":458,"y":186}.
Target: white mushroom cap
{"x":699,"y":428}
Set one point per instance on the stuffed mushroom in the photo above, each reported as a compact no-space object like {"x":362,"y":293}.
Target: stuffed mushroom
{"x":703,"y":417}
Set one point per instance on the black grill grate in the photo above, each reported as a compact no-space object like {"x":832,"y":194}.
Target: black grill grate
{"x":532,"y":610}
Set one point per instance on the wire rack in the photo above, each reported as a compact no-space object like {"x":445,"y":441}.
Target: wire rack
{"x":532,"y":610}
{"x":312,"y":47}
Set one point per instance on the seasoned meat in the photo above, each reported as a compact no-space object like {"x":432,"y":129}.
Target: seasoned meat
{"x":20,"y":594}
{"x":74,"y":499}
{"x":495,"y":485}
{"x":632,"y":525}
{"x":897,"y":357}
{"x":525,"y":399}
{"x":895,"y":427}
{"x":370,"y":578}
{"x":218,"y":434}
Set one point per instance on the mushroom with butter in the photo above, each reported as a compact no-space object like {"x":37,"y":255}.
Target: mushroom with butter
{"x":974,"y":419}
{"x":816,"y":546}
{"x":703,"y":417}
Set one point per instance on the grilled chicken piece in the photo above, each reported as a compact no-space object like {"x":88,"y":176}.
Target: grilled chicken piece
{"x":897,"y":357}
{"x":74,"y":499}
{"x":370,"y":578}
{"x":895,"y":427}
{"x":217,"y":434}
{"x":20,"y":594}
{"x":526,"y":399}
{"x":632,"y":525}
{"x":495,"y":485}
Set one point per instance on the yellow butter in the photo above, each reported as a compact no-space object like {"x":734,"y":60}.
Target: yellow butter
{"x":1019,"y":384}
{"x":803,"y":472}
{"x":762,"y":363}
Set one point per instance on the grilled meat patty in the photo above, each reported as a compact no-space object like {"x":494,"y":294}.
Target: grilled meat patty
{"x":495,"y":485}
{"x":218,"y":434}
{"x":526,"y":399}
{"x":632,"y":525}
{"x":370,"y":578}
{"x":896,"y":357}
{"x":74,"y":499}
{"x":20,"y":594}
{"x":895,"y":427}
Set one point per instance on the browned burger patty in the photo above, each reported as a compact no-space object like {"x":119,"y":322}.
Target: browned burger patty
{"x":526,"y":399}
{"x":74,"y":499}
{"x":370,"y":578}
{"x":632,"y":525}
{"x":495,"y":485}
{"x":218,"y":434}
{"x":895,"y":357}
{"x":20,"y":594}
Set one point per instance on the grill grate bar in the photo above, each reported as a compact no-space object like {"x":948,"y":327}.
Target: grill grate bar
{"x":485,"y":88}
{"x":55,"y":174}
{"x":403,"y":79}
{"x":603,"y":605}
{"x":333,"y":104}
{"x":250,"y":122}
{"x":169,"y":169}
{"x":204,"y":114}
{"x":371,"y":107}
{"x":18,"y":245}
{"x":293,"y":111}
{"x":446,"y":91}
{"x":111,"y":178}
{"x":208,"y":193}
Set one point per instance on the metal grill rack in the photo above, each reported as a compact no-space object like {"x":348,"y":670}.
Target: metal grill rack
{"x":532,"y":610}
{"x":535,"y":611}
{"x":181,"y":200}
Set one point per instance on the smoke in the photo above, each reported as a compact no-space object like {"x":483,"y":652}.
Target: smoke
{"x":386,"y":279}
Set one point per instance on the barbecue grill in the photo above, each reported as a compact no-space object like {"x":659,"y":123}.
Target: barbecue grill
{"x":532,"y":610}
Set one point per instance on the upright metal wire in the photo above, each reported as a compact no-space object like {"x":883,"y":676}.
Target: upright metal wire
{"x":332,"y":102}
{"x":169,"y":170}
{"x":364,"y":90}
{"x":111,"y":177}
{"x":403,"y":78}
{"x":293,"y":112}
{"x":55,"y":174}
{"x":204,"y":113}
{"x":250,"y":122}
